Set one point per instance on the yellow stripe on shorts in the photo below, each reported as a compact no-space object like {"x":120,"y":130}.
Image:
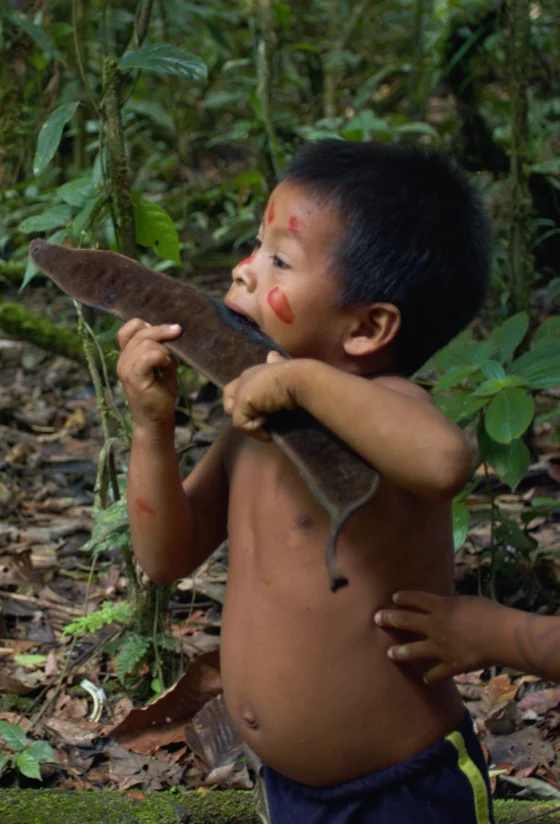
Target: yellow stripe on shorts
{"x":474,"y":777}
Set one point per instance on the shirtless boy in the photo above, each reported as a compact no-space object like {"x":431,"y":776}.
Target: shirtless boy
{"x":369,"y":258}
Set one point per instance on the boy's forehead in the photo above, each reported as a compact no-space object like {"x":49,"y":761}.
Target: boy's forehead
{"x":295,"y":207}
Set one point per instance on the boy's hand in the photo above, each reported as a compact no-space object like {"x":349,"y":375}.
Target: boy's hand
{"x":454,"y":630}
{"x":151,"y":397}
{"x":258,"y":392}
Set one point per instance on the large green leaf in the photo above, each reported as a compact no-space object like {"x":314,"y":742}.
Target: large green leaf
{"x":35,"y":32}
{"x":463,"y":353}
{"x":509,"y":415}
{"x":41,"y":751}
{"x":540,"y":367}
{"x":461,"y":517}
{"x":154,"y":228}
{"x":28,"y":765}
{"x":76,"y":191}
{"x":153,"y":110}
{"x":51,"y":219}
{"x":107,"y":522}
{"x":13,"y":735}
{"x":454,"y":376}
{"x":509,"y":461}
{"x":4,"y":759}
{"x":506,"y":338}
{"x":460,"y":407}
{"x":550,"y":328}
{"x":50,"y":135}
{"x":164,"y":58}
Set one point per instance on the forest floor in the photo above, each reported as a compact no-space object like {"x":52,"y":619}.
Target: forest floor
{"x":69,"y":693}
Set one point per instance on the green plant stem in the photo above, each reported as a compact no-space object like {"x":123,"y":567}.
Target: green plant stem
{"x":76,"y":29}
{"x":263,"y":68}
{"x":106,"y":459}
{"x":332,"y":64}
{"x":118,"y":161}
{"x":519,"y":259}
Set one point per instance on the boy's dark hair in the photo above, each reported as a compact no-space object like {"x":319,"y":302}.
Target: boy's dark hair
{"x":416,"y":235}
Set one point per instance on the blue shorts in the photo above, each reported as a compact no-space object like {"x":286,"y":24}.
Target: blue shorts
{"x":445,"y":784}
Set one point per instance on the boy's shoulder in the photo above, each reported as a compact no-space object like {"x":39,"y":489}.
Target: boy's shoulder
{"x":400,"y":384}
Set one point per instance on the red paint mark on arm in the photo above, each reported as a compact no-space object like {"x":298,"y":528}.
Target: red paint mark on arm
{"x":279,"y":304}
{"x":141,"y":506}
{"x":295,"y":224}
{"x":270,"y":213}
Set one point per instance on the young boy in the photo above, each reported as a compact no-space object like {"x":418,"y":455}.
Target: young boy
{"x":369,"y":258}
{"x":466,"y":633}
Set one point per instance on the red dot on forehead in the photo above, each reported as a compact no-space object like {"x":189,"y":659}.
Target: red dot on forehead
{"x":270,"y":215}
{"x":295,"y":224}
{"x":279,"y":304}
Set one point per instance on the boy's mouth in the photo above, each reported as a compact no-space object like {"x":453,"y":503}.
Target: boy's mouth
{"x":239,"y":311}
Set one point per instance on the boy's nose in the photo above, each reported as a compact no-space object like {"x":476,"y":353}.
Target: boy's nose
{"x":244,"y":274}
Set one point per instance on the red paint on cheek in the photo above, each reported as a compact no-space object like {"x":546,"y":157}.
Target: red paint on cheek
{"x":279,"y":304}
{"x":271,"y":212}
{"x":142,"y":506}
{"x":248,"y":260}
{"x":295,"y":224}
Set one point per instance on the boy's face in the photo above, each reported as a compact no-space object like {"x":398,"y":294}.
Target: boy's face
{"x":286,"y":285}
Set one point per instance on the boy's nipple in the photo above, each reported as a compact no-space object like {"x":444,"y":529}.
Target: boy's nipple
{"x":250,"y":718}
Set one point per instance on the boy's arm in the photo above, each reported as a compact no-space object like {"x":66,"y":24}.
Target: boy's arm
{"x":465,"y":633}
{"x":175,"y":525}
{"x":387,"y":420}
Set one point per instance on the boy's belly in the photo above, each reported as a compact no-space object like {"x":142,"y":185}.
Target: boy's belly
{"x":306,"y":677}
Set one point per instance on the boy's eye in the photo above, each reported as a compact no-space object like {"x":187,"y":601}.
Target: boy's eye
{"x":278,"y":262}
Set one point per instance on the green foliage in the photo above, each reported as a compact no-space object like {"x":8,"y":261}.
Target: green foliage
{"x":132,"y":652}
{"x":26,"y":757}
{"x":50,"y":137}
{"x":110,"y":528}
{"x":108,"y":614}
{"x":164,"y":58}
{"x":482,"y":383}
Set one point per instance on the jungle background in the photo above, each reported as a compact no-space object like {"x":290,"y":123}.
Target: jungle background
{"x":157,"y":128}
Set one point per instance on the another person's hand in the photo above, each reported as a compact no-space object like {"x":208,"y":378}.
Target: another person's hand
{"x":454,"y":630}
{"x":151,"y":395}
{"x":260,"y":391}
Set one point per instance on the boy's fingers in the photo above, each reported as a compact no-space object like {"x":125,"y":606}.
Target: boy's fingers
{"x":127,"y":332}
{"x":417,"y":651}
{"x":401,"y":619}
{"x":415,"y":600}
{"x":274,"y":357}
{"x":438,"y":673}
{"x":143,"y":331}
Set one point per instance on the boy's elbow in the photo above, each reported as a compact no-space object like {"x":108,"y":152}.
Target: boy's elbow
{"x":453,"y":470}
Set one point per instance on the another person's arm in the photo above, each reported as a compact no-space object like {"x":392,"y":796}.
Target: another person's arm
{"x":465,"y":633}
{"x":174,"y":525}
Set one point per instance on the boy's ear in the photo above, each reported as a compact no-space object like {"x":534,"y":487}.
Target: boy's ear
{"x":374,"y":329}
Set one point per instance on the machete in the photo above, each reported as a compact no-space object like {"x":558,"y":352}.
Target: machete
{"x":220,"y":344}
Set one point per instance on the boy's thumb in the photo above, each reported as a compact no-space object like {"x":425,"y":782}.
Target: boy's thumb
{"x":274,"y":357}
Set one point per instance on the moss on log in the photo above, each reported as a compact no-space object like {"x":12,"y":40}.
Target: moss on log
{"x":60,"y":807}
{"x":21,"y":324}
{"x":206,"y":807}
